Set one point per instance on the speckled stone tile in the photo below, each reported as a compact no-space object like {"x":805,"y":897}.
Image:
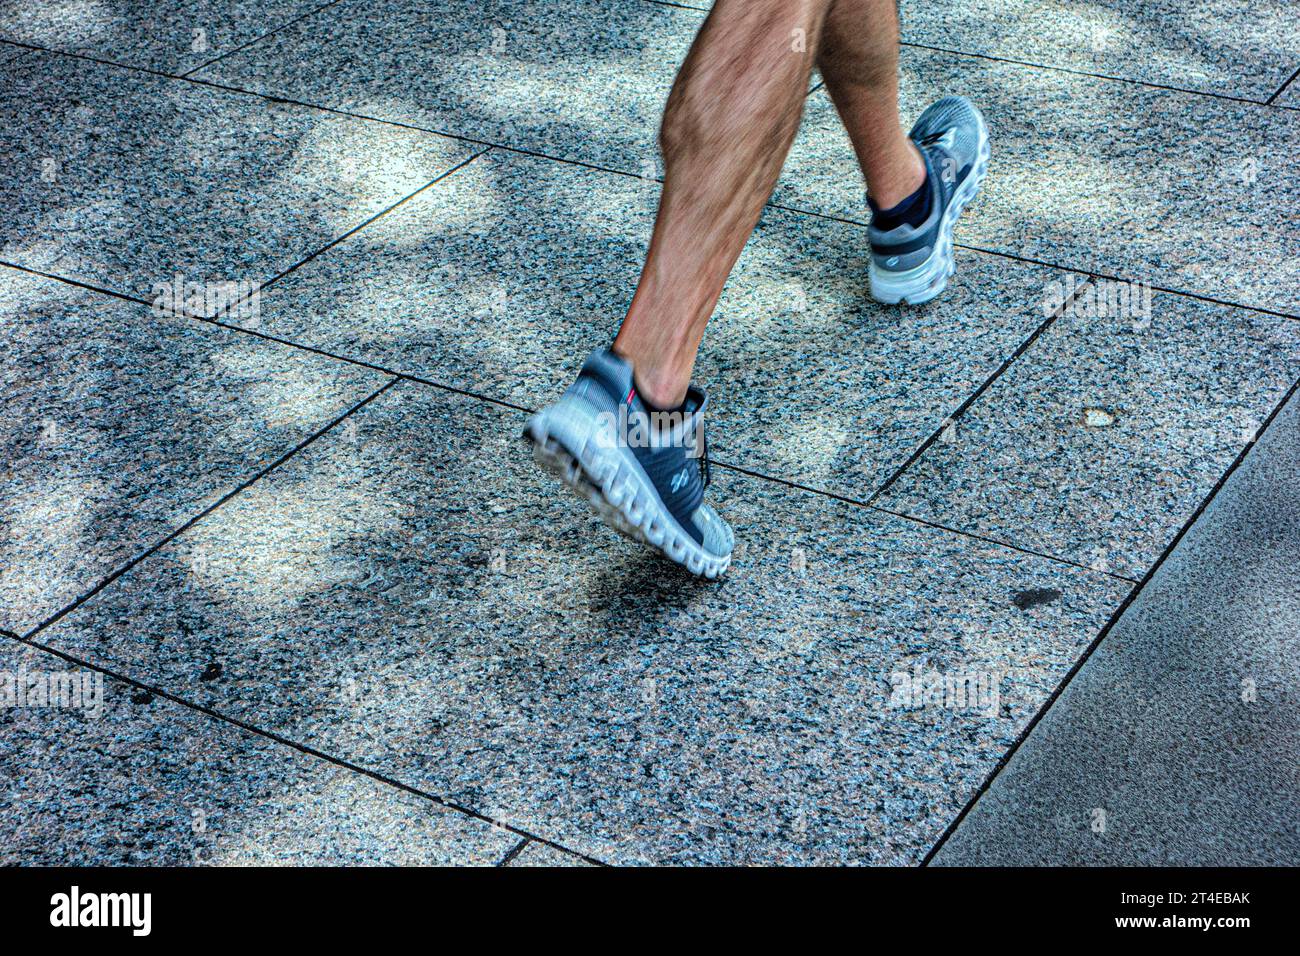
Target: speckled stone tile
{"x":1290,"y":96}
{"x":127,"y":778}
{"x":1216,"y":46}
{"x":501,"y":279}
{"x":1101,"y":440}
{"x":122,"y":179}
{"x":1180,"y":190}
{"x":171,"y":36}
{"x":119,"y":425}
{"x":541,"y":854}
{"x":417,"y":597}
{"x":584,"y":79}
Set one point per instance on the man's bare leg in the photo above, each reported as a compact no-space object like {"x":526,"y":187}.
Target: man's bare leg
{"x":730,"y":119}
{"x":915,"y":201}
{"x":858,"y":59}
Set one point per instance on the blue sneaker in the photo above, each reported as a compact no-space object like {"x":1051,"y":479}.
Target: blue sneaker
{"x":643,"y":472}
{"x":913,"y":263}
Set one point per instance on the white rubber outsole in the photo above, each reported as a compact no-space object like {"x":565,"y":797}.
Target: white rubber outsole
{"x":614,"y":484}
{"x":921,"y":284}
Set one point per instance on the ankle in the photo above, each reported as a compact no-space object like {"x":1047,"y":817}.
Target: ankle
{"x":660,"y":392}
{"x":897,"y":180}
{"x":660,"y":387}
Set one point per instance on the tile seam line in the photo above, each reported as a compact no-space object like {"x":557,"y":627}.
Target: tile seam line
{"x":1087,"y":275}
{"x":678,"y":6}
{"x":1071,"y":71}
{"x":974,"y":396}
{"x":522,"y":151}
{"x":373,"y":219}
{"x":305,"y":749}
{"x":1282,"y":89}
{"x":904,"y":516}
{"x":195,"y":519}
{"x":190,"y":78}
{"x":1047,"y":67}
{"x":259,"y":39}
{"x":29,"y":638}
{"x":271,"y":281}
{"x":1114,"y":619}
{"x":513,"y":852}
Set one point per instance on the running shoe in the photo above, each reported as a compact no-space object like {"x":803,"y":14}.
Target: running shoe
{"x":644,"y":472}
{"x":913,"y":263}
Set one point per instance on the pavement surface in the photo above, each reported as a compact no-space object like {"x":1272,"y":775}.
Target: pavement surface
{"x":279,"y":281}
{"x":1176,"y":743}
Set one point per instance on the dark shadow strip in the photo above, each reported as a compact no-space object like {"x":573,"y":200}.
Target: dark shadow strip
{"x":1106,"y":629}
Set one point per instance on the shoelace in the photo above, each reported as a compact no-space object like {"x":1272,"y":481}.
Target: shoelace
{"x":706,"y":474}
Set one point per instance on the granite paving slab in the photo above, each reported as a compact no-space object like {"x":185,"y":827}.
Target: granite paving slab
{"x":584,"y":79}
{"x":1215,"y":46}
{"x":1177,"y":742}
{"x":117,"y":776}
{"x":119,"y":425}
{"x":1107,"y":433}
{"x":413,"y":595}
{"x":123,"y":180}
{"x":1183,"y":191}
{"x":502,"y":278}
{"x":1290,"y":96}
{"x":171,"y":36}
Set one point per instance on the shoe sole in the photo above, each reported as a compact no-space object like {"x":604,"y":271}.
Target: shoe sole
{"x":614,"y":484}
{"x":922,"y":283}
